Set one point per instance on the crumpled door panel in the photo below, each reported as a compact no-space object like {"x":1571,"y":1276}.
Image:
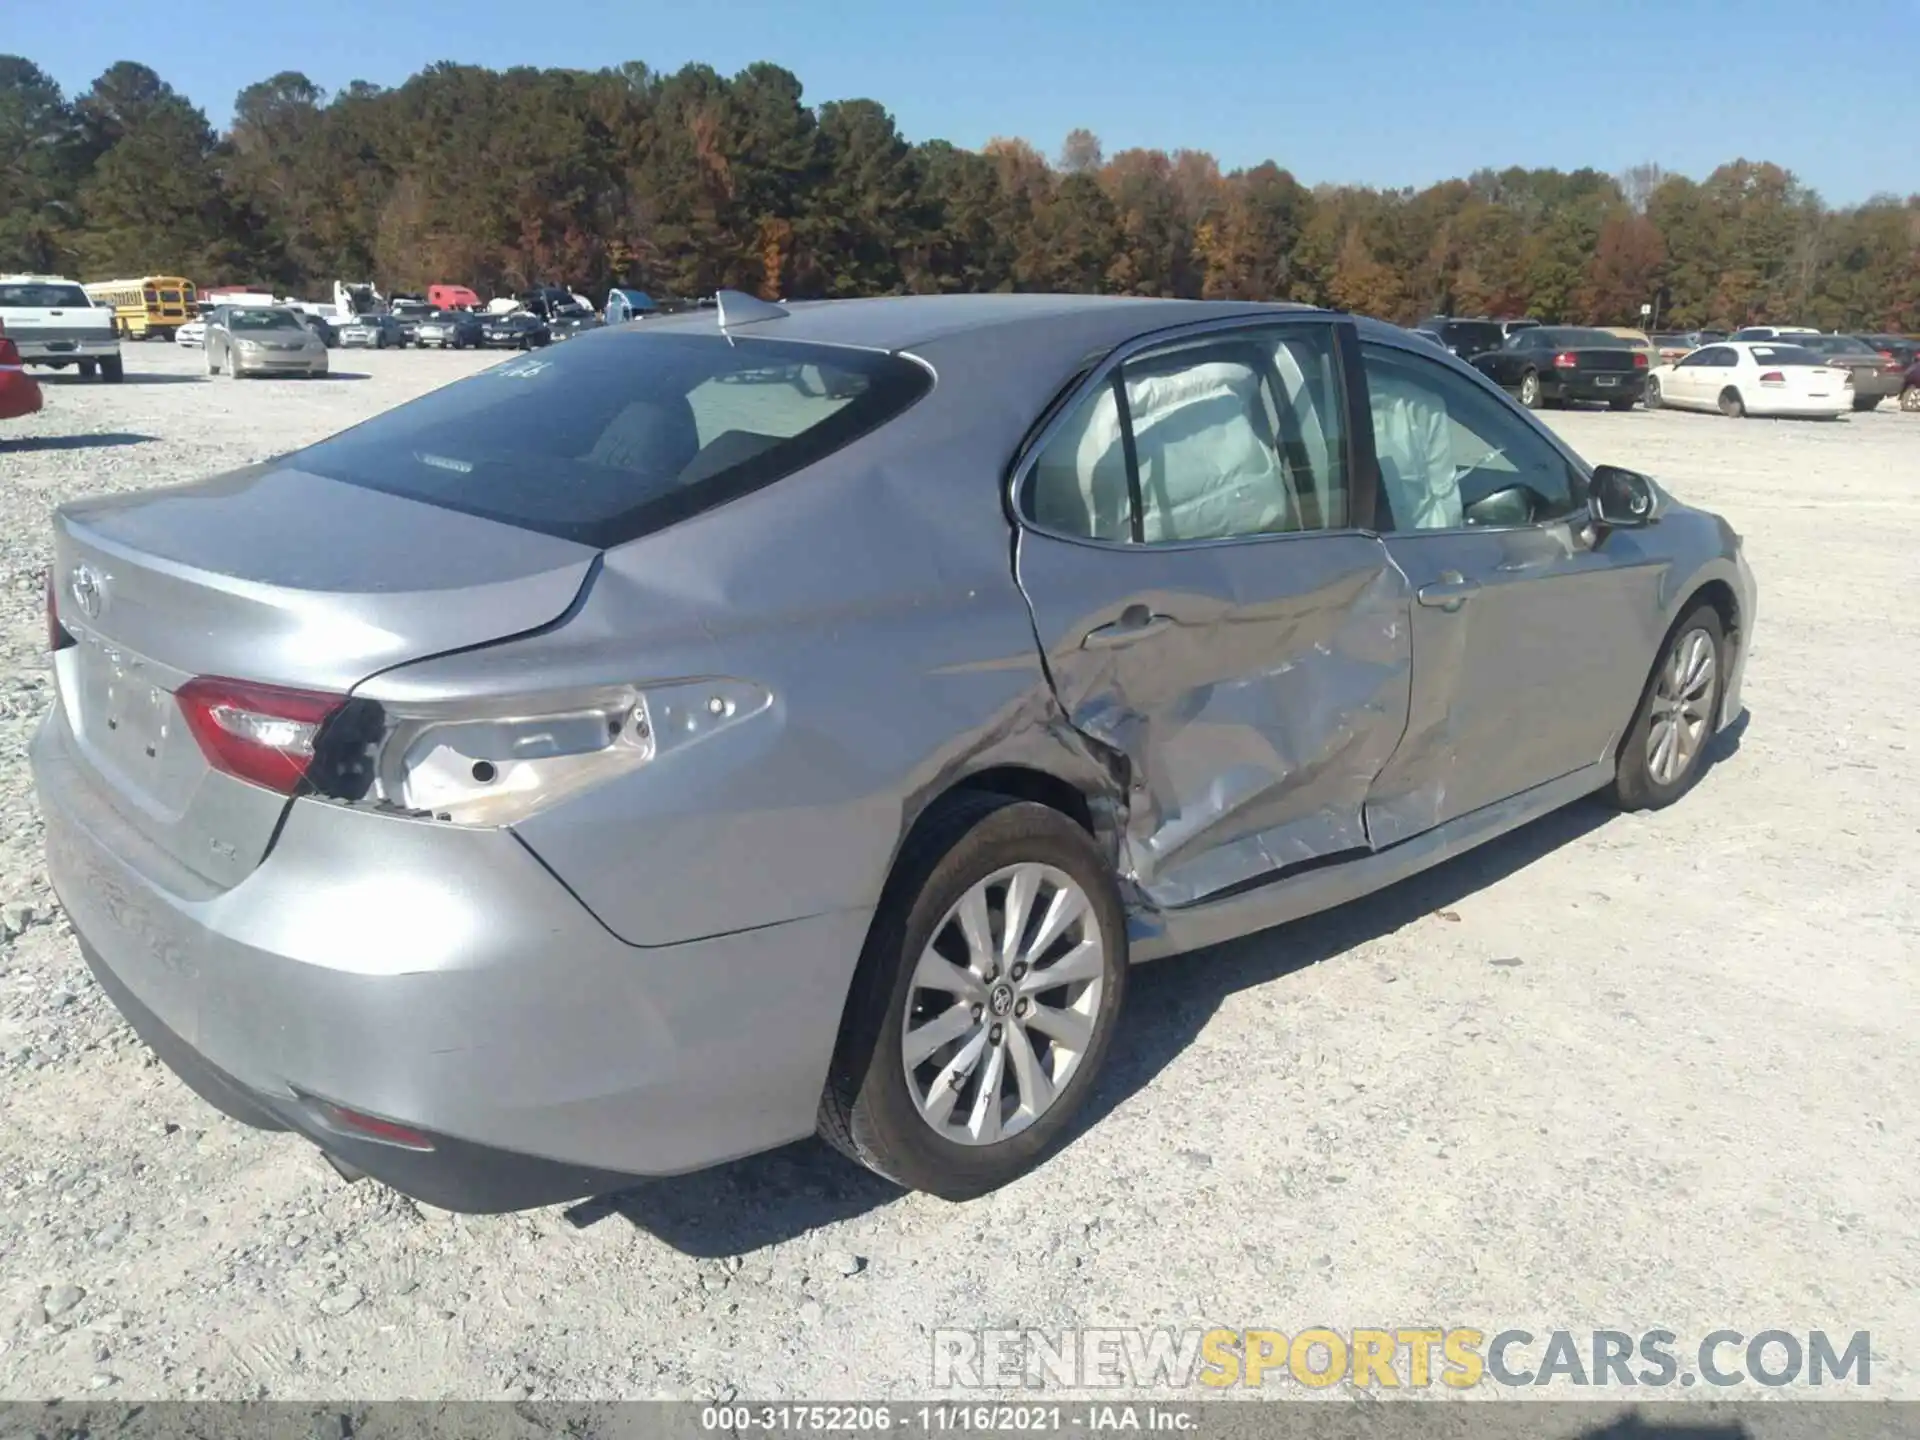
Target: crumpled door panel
{"x":1267,"y":690}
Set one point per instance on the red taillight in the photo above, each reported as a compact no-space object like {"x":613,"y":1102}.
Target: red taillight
{"x":261,"y":733}
{"x":1565,"y":360}
{"x":1773,"y":377}
{"x":58,"y":637}
{"x":1639,"y":359}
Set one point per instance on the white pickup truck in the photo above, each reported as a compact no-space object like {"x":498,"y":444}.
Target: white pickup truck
{"x":53,"y":323}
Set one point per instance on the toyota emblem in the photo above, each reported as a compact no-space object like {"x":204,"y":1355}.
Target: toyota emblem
{"x":89,"y":589}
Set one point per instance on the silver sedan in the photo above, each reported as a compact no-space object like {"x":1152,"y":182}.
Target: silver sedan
{"x":779,"y":719}
{"x":261,"y":340}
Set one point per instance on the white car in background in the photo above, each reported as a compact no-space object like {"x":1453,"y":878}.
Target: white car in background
{"x":193,"y":334}
{"x":1752,"y":378}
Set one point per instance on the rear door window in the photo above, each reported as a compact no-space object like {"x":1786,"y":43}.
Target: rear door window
{"x":1233,"y":435}
{"x":613,"y":436}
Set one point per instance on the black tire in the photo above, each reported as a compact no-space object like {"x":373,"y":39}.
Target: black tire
{"x":1652,"y":397}
{"x":1863,"y":403}
{"x":1634,"y":785}
{"x":1619,"y":404}
{"x":89,"y":369}
{"x":1731,"y":405}
{"x":113,"y":369}
{"x":866,"y":1110}
{"x":1531,"y":395}
{"x":1910,"y":398}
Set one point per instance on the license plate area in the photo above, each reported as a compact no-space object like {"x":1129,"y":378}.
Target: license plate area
{"x":127,"y":721}
{"x":1606,"y":379}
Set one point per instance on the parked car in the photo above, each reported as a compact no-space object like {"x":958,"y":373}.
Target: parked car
{"x":1897,"y":348}
{"x":407,"y":313}
{"x":568,"y":321}
{"x":1773,"y":332}
{"x":449,"y":330}
{"x":1552,"y":364}
{"x":1671,"y":345}
{"x":192,"y":334}
{"x":372,"y":332}
{"x":1910,"y":388}
{"x":1637,"y":340}
{"x":52,"y":323}
{"x":1507,"y":327}
{"x":1875,"y":376}
{"x":1463,"y":337}
{"x":515,"y":330}
{"x":261,"y":340}
{"x":541,"y":917}
{"x":324,"y":329}
{"x":1753,"y":377}
{"x":19,"y":392}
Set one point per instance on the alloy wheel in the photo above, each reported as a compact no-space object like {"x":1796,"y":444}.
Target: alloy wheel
{"x":1682,"y":707}
{"x":1002,"y":1004}
{"x":1530,"y":390}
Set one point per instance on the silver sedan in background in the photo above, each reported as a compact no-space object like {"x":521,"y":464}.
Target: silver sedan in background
{"x":767,"y":720}
{"x":261,"y":340}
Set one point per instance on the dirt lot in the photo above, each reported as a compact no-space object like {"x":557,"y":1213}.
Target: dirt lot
{"x":1611,"y":1072}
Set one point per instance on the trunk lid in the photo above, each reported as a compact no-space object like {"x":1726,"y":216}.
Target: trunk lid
{"x":270,"y":575}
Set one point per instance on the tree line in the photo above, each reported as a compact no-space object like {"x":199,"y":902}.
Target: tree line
{"x":686,"y":183}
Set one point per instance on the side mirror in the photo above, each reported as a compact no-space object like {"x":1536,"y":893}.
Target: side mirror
{"x":1621,"y":499}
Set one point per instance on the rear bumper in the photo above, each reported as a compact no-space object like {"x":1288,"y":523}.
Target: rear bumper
{"x":1771,"y":402}
{"x":1626,"y":385}
{"x":61,"y":352}
{"x":442,"y":979}
{"x":1882,"y":383}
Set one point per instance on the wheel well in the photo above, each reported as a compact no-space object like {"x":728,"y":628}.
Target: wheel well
{"x":1719,"y":594}
{"x":1024,"y":784}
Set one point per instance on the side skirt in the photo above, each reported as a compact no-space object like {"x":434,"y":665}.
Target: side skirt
{"x":1154,"y":936}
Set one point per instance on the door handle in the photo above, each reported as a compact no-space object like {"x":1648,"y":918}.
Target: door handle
{"x":1136,"y":622}
{"x":1449,"y":592}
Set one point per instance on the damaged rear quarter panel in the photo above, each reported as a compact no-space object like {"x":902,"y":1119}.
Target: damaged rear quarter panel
{"x":873,"y":596}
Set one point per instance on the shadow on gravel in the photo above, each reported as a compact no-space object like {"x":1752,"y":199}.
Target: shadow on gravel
{"x":62,"y":378}
{"x":103,"y":441}
{"x":750,"y":1204}
{"x":1635,"y":1426}
{"x":765,"y":1199}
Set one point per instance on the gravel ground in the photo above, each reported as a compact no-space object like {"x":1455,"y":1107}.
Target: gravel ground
{"x":1614,"y":1071}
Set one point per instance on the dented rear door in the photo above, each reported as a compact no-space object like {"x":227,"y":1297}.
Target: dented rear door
{"x":1252,"y":684}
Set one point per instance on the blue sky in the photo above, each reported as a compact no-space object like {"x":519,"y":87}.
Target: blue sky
{"x":1379,"y":92}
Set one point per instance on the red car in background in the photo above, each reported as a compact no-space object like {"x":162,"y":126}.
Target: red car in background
{"x":19,"y":391}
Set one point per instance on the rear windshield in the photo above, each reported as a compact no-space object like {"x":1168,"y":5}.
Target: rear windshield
{"x":617,"y":434}
{"x":1836,"y":345}
{"x":262,"y":320}
{"x":1786,"y":355}
{"x":1484,"y":335}
{"x":42,"y":295}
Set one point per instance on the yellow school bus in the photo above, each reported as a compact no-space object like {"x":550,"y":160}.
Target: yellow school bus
{"x":156,"y":305}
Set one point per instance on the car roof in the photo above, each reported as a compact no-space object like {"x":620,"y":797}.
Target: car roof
{"x":906,"y":322}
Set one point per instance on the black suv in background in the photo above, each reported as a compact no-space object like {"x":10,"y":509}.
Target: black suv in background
{"x":1465,"y":338}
